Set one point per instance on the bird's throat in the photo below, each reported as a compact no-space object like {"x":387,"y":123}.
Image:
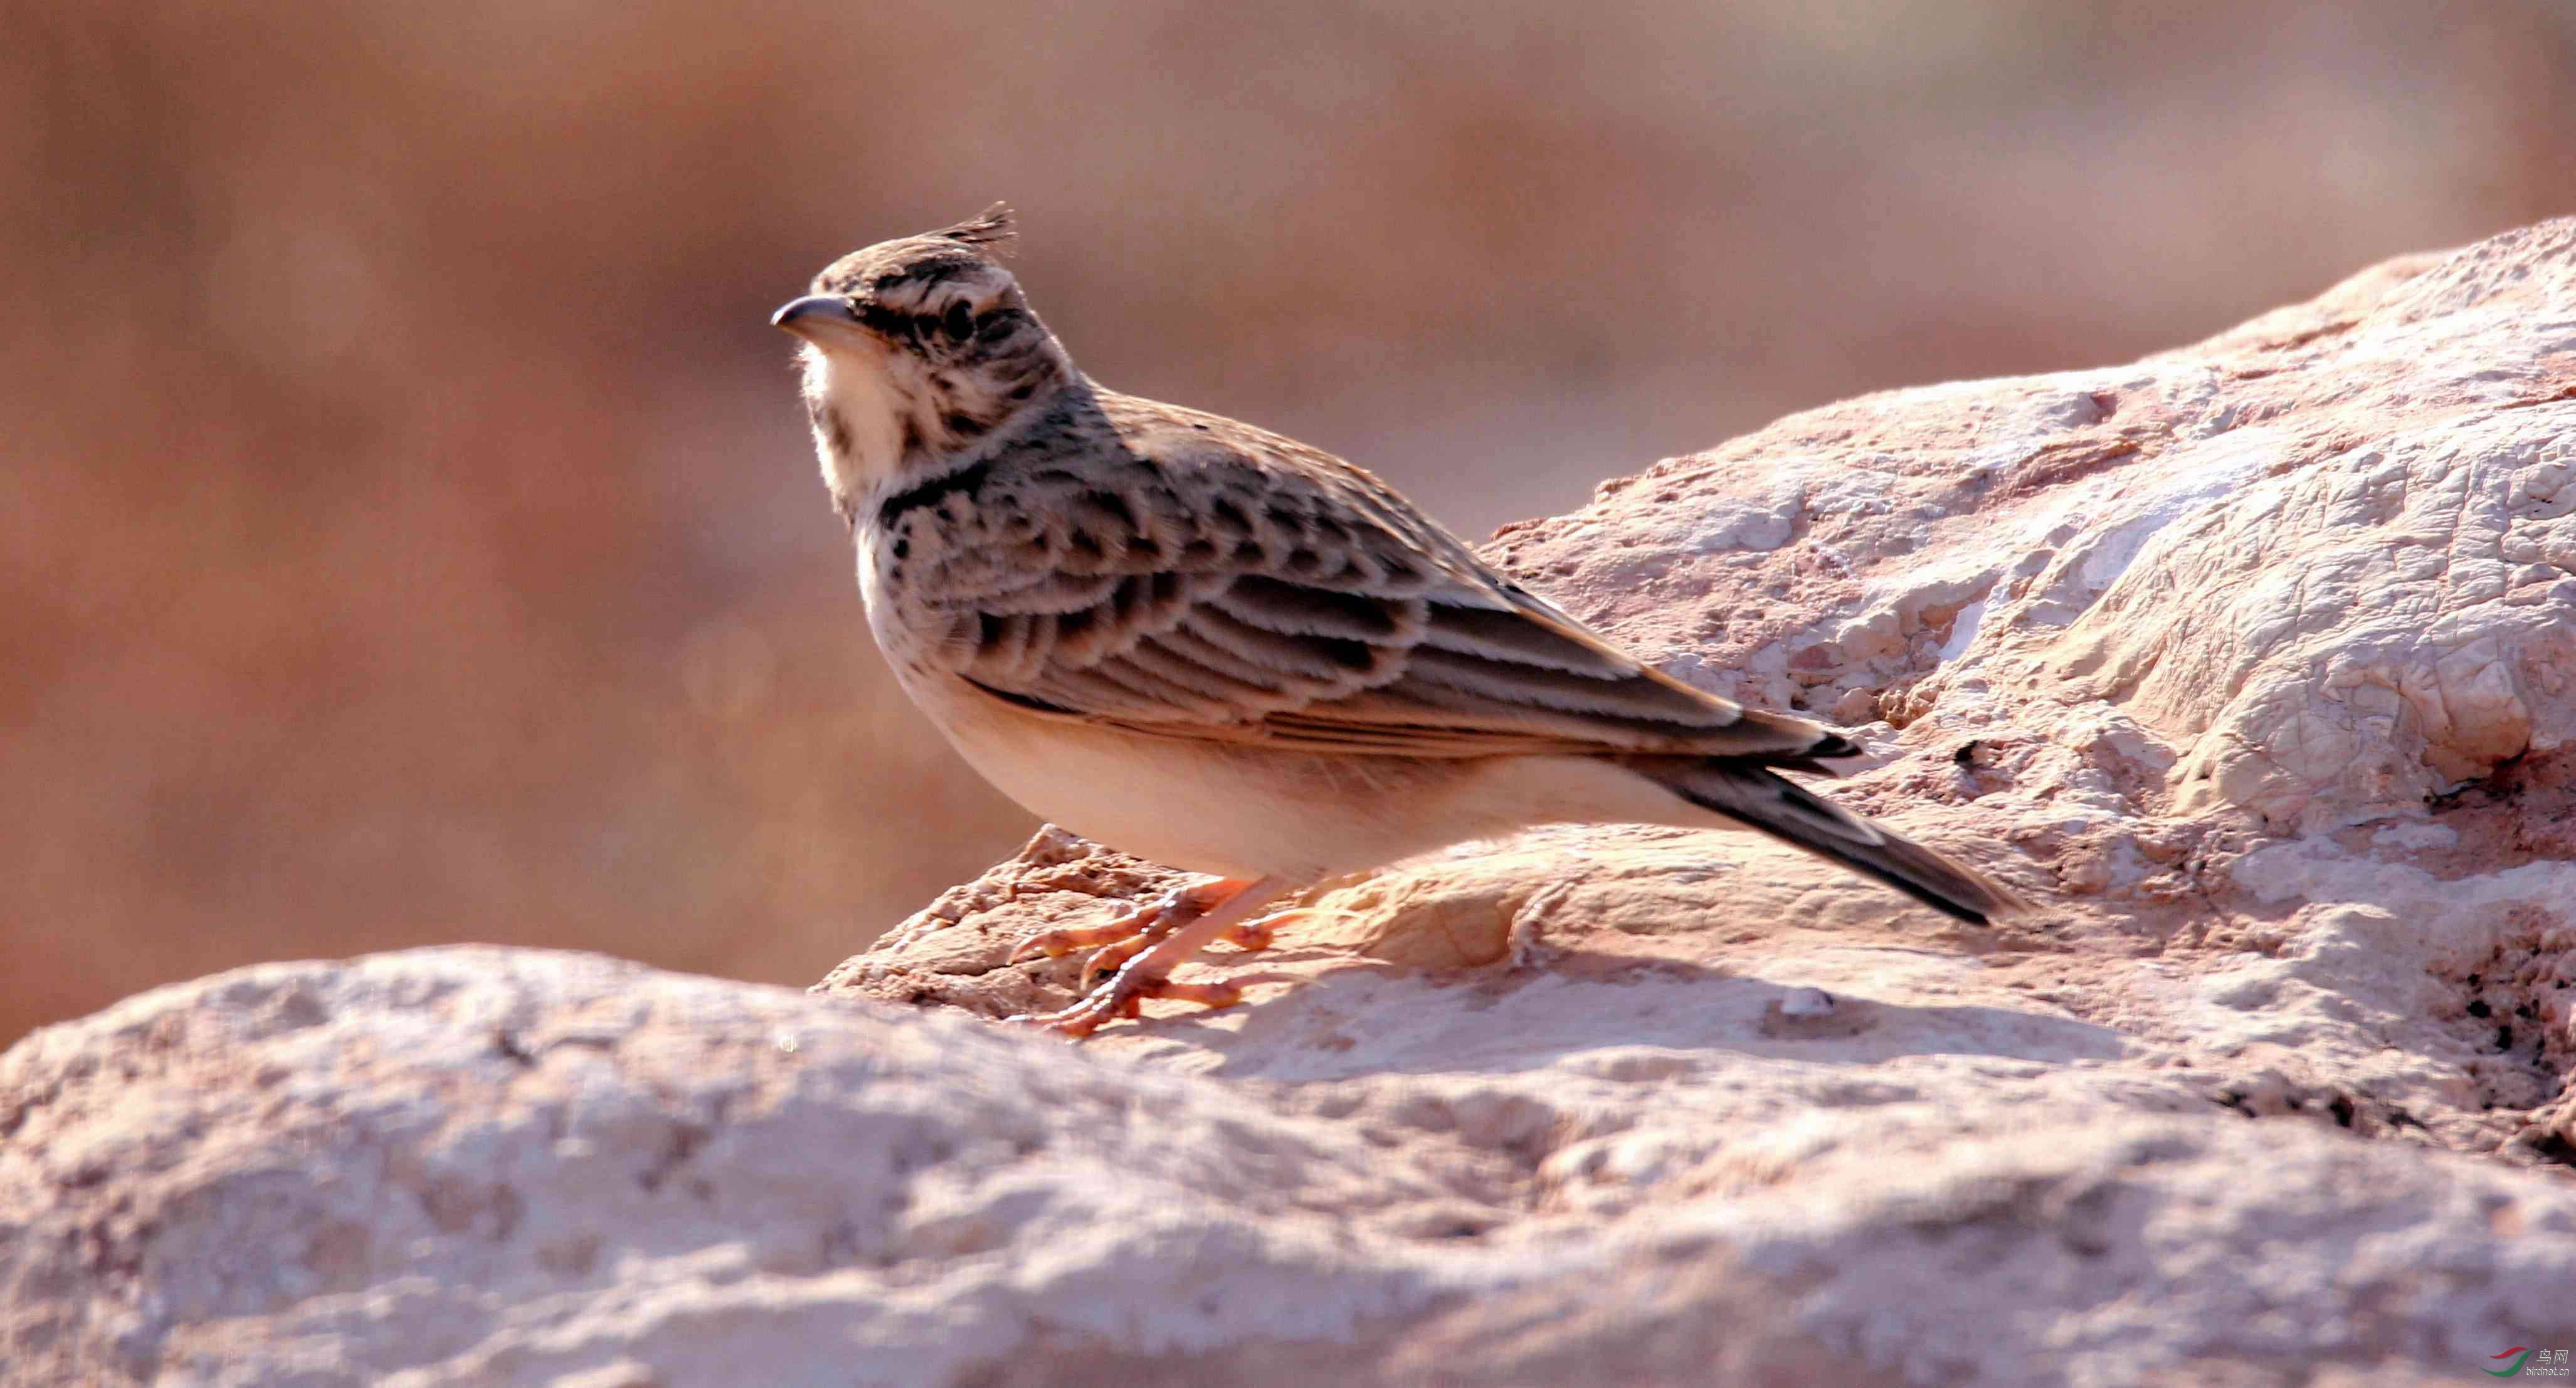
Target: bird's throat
{"x":862,"y":424}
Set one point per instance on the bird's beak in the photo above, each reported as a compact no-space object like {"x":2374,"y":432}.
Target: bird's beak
{"x":815,"y":315}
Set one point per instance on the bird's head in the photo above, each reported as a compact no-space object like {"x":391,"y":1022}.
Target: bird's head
{"x":914,"y":350}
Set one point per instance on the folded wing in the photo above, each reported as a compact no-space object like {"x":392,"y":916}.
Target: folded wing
{"x":1220,"y":595}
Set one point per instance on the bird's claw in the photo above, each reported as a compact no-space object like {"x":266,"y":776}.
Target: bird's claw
{"x":1252,"y":936}
{"x":1122,"y":946}
{"x":1056,"y":944}
{"x":1123,"y":997}
{"x":1112,"y":957}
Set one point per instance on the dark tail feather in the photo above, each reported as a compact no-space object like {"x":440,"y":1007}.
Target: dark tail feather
{"x":1786,"y":810}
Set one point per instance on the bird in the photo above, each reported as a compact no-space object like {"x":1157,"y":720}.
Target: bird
{"x":1219,"y":649}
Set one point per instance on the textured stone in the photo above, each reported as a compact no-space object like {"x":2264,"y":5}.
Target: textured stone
{"x":487,"y":1166}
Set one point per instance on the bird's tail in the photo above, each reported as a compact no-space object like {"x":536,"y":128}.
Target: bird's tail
{"x":1757,"y":796}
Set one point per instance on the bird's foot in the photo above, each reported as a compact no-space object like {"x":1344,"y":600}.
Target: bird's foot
{"x":1146,"y":945}
{"x":1111,"y":957}
{"x":1146,"y":923}
{"x":1257,"y":935}
{"x":1124,"y":996}
{"x":1250,"y":936}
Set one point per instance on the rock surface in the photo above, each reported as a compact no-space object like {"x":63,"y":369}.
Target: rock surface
{"x":477,"y":1166}
{"x":2254,"y":661}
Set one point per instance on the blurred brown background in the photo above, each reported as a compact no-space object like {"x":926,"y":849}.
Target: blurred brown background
{"x":407,"y":531}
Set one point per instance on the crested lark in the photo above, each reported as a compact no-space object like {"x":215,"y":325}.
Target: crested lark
{"x":1228,"y":652}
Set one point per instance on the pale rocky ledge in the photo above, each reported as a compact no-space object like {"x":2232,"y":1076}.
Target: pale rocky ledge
{"x":2254,"y":661}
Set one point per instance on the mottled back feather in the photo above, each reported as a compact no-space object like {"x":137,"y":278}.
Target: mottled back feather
{"x":1201,"y":578}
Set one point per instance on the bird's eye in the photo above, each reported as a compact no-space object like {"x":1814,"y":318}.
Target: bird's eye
{"x":960,"y":323}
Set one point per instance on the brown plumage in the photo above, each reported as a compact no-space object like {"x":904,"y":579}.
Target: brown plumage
{"x":1217,"y":647}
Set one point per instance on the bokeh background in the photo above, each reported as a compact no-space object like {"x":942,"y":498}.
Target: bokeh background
{"x":407,"y":531}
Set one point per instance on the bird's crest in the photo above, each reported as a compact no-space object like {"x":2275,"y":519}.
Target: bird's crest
{"x":991,"y":227}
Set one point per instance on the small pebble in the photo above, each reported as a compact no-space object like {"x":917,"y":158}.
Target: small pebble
{"x":1807,"y":1002}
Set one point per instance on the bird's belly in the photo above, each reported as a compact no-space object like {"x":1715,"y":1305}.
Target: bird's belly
{"x":1188,"y":805}
{"x":1241,"y":811}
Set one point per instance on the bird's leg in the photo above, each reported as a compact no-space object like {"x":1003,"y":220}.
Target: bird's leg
{"x":1110,"y":956}
{"x":1250,"y":936}
{"x":1220,"y":907}
{"x":1179,"y":906}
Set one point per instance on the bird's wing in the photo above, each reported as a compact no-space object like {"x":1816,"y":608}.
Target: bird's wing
{"x":1211,"y":581}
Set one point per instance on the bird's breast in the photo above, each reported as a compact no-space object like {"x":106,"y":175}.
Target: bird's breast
{"x":888,"y":580}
